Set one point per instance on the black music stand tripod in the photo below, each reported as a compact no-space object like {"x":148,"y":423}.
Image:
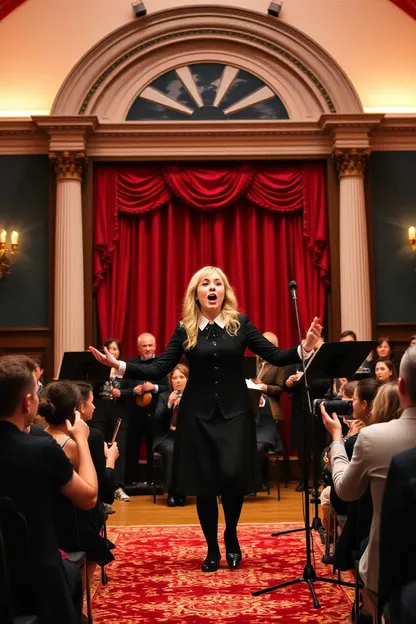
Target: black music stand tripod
{"x":332,"y":359}
{"x":331,"y":367}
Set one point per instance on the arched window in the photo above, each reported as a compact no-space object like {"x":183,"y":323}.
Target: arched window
{"x":207,"y":91}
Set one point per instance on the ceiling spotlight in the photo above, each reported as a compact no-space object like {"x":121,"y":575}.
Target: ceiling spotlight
{"x":275,"y":8}
{"x":139,"y":8}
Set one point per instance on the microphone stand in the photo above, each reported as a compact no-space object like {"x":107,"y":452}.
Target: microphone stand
{"x":309,"y":575}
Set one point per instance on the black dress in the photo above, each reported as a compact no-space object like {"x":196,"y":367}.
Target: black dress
{"x":215,"y":443}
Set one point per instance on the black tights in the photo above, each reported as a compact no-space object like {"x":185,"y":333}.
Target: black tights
{"x":207,"y":508}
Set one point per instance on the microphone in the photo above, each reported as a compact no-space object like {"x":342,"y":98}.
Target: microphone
{"x":293,"y":287}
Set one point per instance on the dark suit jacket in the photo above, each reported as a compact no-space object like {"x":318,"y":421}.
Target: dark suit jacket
{"x":127,"y":392}
{"x":162,"y":418}
{"x":216,"y":376}
{"x":273,"y":377}
{"x":398,"y":528}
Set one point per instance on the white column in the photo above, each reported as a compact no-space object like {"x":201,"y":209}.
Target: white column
{"x":354,"y":265}
{"x":69,"y":263}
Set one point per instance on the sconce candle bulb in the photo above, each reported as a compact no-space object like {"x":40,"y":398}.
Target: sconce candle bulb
{"x":8,"y":254}
{"x":412,"y":237}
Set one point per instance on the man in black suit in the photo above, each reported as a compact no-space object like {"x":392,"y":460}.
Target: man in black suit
{"x":33,"y":470}
{"x":397,"y":531}
{"x":141,"y":402}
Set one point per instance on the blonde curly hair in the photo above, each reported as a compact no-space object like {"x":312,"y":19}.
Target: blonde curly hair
{"x":191,"y":312}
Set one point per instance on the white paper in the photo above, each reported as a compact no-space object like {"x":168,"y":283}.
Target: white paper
{"x":253,"y":386}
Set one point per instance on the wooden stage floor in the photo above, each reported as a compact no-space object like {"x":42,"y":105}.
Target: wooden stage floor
{"x":260,"y":508}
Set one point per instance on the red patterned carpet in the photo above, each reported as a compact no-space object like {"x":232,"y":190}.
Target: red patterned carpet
{"x":156,"y":577}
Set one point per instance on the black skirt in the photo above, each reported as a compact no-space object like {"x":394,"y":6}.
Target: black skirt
{"x":217,"y":456}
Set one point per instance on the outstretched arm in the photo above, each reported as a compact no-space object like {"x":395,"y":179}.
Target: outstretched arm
{"x":161,"y":367}
{"x":281,"y":357}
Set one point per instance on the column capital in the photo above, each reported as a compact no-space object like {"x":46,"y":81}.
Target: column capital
{"x":68,"y":165}
{"x":351,"y":161}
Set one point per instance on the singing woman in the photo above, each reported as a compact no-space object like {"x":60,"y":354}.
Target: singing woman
{"x":215,"y":443}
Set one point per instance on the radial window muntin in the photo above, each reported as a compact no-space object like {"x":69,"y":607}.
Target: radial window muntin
{"x":207,"y":91}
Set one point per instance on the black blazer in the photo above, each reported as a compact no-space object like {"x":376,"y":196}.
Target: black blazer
{"x":216,"y":375}
{"x":162,"y":418}
{"x":397,"y":528}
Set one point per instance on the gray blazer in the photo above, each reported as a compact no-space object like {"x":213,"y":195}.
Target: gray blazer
{"x":369,"y":465}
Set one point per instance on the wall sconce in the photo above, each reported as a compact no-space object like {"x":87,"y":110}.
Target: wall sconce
{"x":7,"y":253}
{"x":412,"y":237}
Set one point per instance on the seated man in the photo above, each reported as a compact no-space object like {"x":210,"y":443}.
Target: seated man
{"x":165,"y":420}
{"x":373,"y":451}
{"x":32,"y":470}
{"x":397,"y":531}
{"x":141,"y":400}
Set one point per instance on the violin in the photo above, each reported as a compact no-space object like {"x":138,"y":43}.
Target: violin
{"x":142,"y":400}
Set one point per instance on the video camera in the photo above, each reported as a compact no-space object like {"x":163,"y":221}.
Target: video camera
{"x":340,"y":406}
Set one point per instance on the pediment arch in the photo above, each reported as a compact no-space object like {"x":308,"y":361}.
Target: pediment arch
{"x":106,"y":81}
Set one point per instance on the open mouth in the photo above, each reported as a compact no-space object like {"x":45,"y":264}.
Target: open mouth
{"x":212,"y":297}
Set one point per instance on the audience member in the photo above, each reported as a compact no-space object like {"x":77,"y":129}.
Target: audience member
{"x":385,"y":407}
{"x":397,"y":533}
{"x":385,"y":371}
{"x":103,"y":456}
{"x":165,"y":421}
{"x":348,"y":336}
{"x":77,"y":529}
{"x":142,"y":405}
{"x":373,"y":451}
{"x":33,"y":470}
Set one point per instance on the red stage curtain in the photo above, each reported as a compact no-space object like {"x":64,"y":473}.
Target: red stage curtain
{"x":407,"y":5}
{"x":156,"y":225}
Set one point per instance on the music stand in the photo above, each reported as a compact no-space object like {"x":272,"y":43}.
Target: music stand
{"x":326,"y":363}
{"x":82,"y":366}
{"x":338,"y":359}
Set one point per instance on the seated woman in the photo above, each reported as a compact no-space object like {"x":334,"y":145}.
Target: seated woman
{"x":385,"y":371}
{"x":382,"y":351}
{"x":385,"y":407}
{"x":267,"y":437}
{"x":76,"y":529}
{"x":103,"y":456}
{"x":165,"y":420}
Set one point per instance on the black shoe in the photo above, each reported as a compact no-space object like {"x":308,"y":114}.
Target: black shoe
{"x":171,"y":501}
{"x":180,"y":501}
{"x":234,"y":560}
{"x":300,"y":487}
{"x":328,"y":560}
{"x":211,"y":563}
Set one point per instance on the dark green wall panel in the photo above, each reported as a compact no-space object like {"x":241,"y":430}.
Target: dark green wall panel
{"x":24,"y":192}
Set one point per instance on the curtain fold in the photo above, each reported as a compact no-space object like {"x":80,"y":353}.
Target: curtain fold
{"x":407,"y":5}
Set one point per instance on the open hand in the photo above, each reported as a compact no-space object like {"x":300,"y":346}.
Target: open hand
{"x":332,"y":423}
{"x":105,"y":358}
{"x":313,"y":335}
